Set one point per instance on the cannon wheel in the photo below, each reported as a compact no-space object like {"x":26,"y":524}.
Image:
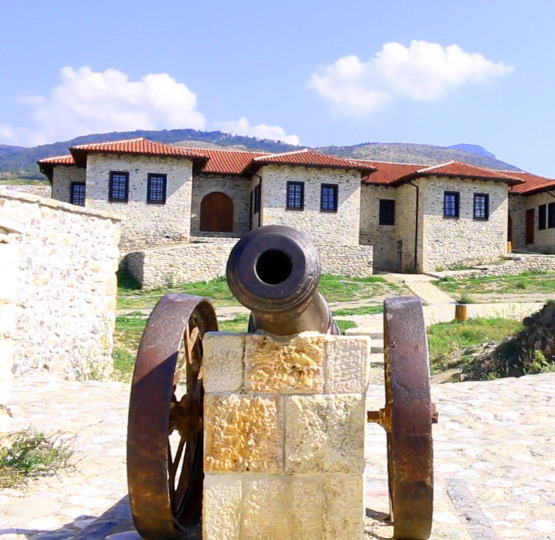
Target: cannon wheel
{"x":408,"y":417}
{"x":165,"y":437}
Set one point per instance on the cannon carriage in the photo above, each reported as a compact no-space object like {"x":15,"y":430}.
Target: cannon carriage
{"x":274,"y":272}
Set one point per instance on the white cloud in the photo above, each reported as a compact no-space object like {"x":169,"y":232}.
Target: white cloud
{"x":424,"y":71}
{"x":86,"y":101}
{"x":262,"y":131}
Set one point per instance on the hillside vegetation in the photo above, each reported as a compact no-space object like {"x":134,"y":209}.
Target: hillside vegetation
{"x":20,"y":162}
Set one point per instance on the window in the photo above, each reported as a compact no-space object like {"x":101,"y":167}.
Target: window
{"x":77,"y":193}
{"x":542,"y":217}
{"x":328,"y":198}
{"x":295,"y":196}
{"x":481,"y":206}
{"x":451,"y":204}
{"x":156,"y":189}
{"x":119,"y":186}
{"x":551,"y":215}
{"x":387,"y":212}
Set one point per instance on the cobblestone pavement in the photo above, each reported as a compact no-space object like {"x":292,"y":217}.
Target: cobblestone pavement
{"x":494,"y":461}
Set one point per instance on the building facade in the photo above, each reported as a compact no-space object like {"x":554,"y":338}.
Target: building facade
{"x":408,"y":217}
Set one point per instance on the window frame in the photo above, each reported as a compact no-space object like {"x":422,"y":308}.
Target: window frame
{"x":542,"y":217}
{"x":383,"y":213}
{"x":289,"y":185}
{"x":551,"y":215}
{"x":256,"y":199}
{"x":335,"y":190}
{"x":457,"y":196}
{"x":486,"y":207}
{"x":72,"y":195}
{"x":150,"y":176}
{"x":111,"y":185}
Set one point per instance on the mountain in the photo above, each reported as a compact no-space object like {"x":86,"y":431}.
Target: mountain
{"x":20,"y":162}
{"x":473,"y":148}
{"x":426,"y":154}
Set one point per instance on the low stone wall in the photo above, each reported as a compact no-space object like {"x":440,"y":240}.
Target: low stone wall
{"x":513,"y":265}
{"x":40,"y":190}
{"x":203,"y":261}
{"x":63,"y":308}
{"x":284,"y":425}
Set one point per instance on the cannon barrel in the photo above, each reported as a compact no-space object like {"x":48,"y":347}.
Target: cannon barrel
{"x":274,"y":271}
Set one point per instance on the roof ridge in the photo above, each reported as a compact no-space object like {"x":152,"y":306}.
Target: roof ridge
{"x":431,"y":167}
{"x":223,"y":150}
{"x":57,"y":157}
{"x":285,"y":153}
{"x":385,"y":162}
{"x":115,"y":142}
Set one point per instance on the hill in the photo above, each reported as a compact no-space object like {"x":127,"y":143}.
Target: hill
{"x":19,"y":162}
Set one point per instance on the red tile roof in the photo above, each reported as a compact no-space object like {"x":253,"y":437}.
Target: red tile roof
{"x":389,"y":172}
{"x":310,"y":158}
{"x":139,"y":146}
{"x":532,"y":183}
{"x":58,"y":160}
{"x":227,"y":161}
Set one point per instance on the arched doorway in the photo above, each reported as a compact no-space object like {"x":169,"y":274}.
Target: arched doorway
{"x":216,"y":213}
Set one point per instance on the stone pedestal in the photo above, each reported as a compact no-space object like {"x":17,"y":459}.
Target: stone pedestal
{"x":284,"y":436}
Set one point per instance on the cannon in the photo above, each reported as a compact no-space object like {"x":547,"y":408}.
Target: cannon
{"x":274,"y":271}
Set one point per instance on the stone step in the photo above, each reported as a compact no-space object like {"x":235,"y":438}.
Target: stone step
{"x":376,"y":359}
{"x":376,"y":346}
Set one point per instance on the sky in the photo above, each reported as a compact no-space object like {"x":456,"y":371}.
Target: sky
{"x":314,"y":73}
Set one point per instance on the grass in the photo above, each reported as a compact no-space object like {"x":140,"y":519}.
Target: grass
{"x":448,"y":341}
{"x":530,"y":282}
{"x":362,"y":310}
{"x":30,"y":454}
{"x":127,"y":336}
{"x":344,"y":325}
{"x":333,"y":288}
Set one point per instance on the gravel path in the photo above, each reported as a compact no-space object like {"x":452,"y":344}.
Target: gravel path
{"x":494,"y":461}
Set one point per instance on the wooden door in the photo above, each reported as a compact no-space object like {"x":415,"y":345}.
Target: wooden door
{"x":510,"y":230}
{"x":530,"y":222}
{"x":216,"y":213}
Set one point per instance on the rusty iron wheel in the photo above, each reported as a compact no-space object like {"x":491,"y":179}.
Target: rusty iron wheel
{"x":165,"y":437}
{"x":407,"y":418}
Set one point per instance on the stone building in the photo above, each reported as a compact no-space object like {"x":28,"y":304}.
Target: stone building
{"x":363,"y":215}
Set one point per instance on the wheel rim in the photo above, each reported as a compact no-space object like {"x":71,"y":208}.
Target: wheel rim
{"x":165,"y":438}
{"x":408,"y":419}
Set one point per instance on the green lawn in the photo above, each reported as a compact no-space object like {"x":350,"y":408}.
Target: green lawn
{"x":333,"y":288}
{"x":527,"y":282}
{"x":448,"y":341}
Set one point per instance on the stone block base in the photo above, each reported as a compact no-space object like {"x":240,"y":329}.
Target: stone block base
{"x":284,"y":436}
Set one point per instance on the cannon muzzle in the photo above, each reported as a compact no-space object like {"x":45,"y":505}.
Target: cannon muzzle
{"x":274,"y":271}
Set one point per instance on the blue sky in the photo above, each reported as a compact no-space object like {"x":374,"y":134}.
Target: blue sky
{"x":313,"y":72}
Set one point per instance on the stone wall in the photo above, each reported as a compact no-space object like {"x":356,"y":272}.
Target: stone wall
{"x":237,"y":188}
{"x":62,"y":177}
{"x":544,"y":240}
{"x":405,"y":227}
{"x":41,"y":190}
{"x":64,"y":305}
{"x":284,"y":426}
{"x":143,"y":224}
{"x":204,"y":261}
{"x":341,"y":227}
{"x":380,"y":237}
{"x":462,"y":240}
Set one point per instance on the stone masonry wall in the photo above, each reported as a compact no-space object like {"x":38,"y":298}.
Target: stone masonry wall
{"x":41,"y":190}
{"x":463,"y":240}
{"x":62,"y":177}
{"x":143,"y":224}
{"x":204,"y":261}
{"x":64,"y":304}
{"x":284,"y":426}
{"x":380,"y":237}
{"x":544,"y":240}
{"x":341,"y":227}
{"x":237,"y":188}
